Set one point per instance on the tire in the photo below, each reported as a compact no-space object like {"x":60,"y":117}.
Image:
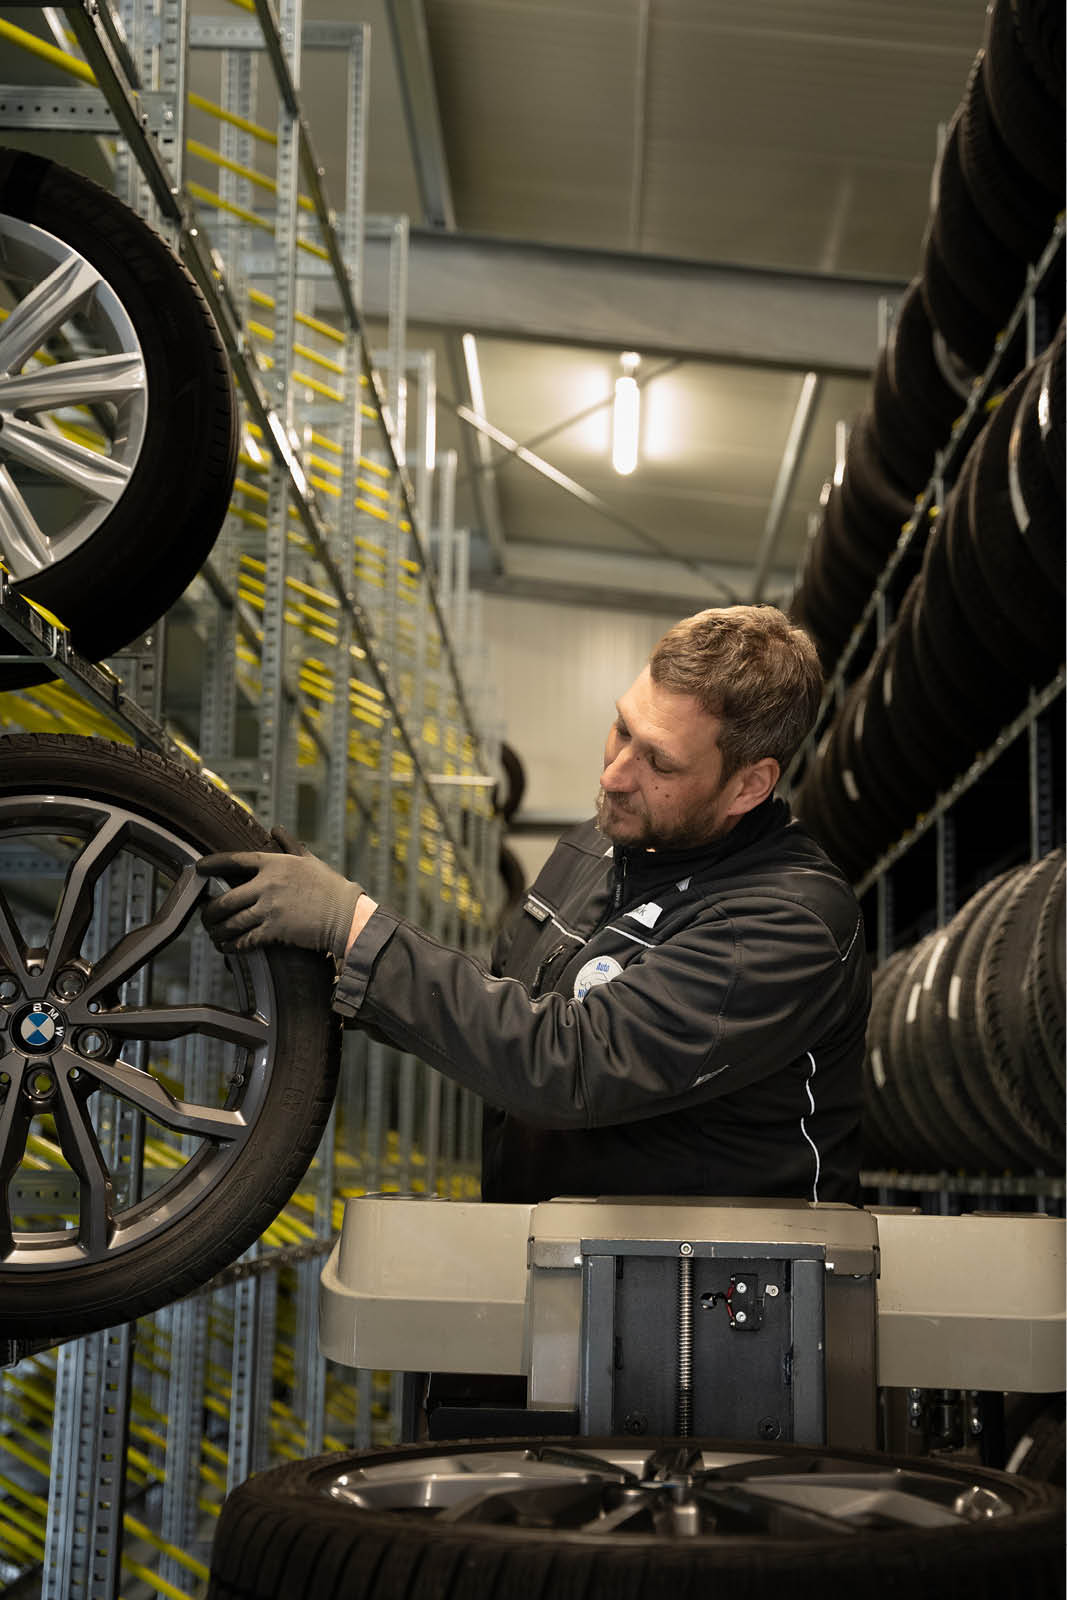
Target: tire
{"x":1029,"y":119}
{"x":494,"y":1520}
{"x":107,"y":560}
{"x":243,"y":1103}
{"x":1004,"y":553}
{"x":964,"y":1035}
{"x":881,"y":1137}
{"x":1018,"y":209}
{"x":1001,"y":1015}
{"x":921,"y":1127}
{"x":508,"y":801}
{"x":991,"y":274}
{"x":968,"y":331}
{"x":1051,"y":412}
{"x":975,"y":1145}
{"x":986,"y":616}
{"x":1036,"y":497}
{"x":956,"y":647}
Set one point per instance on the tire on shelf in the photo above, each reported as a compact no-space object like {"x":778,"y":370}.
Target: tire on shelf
{"x":1029,"y":118}
{"x":1051,"y":411}
{"x":1018,"y":209}
{"x":1004,"y":554}
{"x":1001,"y":1015}
{"x":908,"y":450}
{"x":257,"y":1101}
{"x":880,"y":1131}
{"x":107,"y":541}
{"x":964,"y":1030}
{"x":991,"y":274}
{"x":977,"y":1145}
{"x":875,"y":503}
{"x":1045,"y":977}
{"x":507,"y":801}
{"x":941,"y":749}
{"x":1044,"y":1036}
{"x":968,"y":331}
{"x":921,"y":1130}
{"x":932,"y":387}
{"x":1035,"y":496}
{"x":1010,"y":647}
{"x":390,"y":1525}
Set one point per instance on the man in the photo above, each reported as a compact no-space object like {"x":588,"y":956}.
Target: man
{"x":679,"y":1006}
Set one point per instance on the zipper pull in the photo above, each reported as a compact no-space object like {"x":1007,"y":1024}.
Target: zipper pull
{"x":535,"y":988}
{"x":621,"y":863}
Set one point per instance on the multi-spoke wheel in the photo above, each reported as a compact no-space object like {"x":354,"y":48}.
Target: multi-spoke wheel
{"x":117,"y":415}
{"x":158,"y":1103}
{"x":619,"y":1519}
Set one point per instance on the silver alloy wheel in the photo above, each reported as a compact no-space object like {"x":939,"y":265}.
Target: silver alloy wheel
{"x":74,"y":1027}
{"x":73,"y":399}
{"x":675,"y":1492}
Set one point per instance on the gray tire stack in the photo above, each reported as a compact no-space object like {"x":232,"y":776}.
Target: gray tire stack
{"x":966,"y":1043}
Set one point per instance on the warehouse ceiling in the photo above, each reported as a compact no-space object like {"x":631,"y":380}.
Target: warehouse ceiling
{"x":736,"y":193}
{"x":633,"y":150}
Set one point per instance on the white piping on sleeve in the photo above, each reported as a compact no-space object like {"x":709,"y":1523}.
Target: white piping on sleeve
{"x":804,"y":1131}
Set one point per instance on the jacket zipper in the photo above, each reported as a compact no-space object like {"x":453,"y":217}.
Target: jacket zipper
{"x":535,"y":988}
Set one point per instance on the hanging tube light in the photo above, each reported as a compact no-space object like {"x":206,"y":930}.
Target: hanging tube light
{"x":626,"y":417}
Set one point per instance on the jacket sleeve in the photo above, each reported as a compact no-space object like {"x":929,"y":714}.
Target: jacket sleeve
{"x":722,"y":1004}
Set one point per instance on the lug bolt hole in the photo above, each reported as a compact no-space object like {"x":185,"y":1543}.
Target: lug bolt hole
{"x":93,"y":1043}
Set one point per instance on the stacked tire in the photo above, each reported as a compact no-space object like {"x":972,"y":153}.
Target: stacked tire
{"x":966,"y":1042}
{"x":997,"y":188}
{"x":979,"y":625}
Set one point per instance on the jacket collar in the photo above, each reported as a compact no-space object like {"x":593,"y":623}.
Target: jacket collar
{"x":638,"y":866}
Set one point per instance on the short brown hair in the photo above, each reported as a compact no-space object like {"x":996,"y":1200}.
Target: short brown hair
{"x":752,"y":668}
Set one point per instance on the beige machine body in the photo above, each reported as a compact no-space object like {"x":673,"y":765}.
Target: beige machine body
{"x":739,"y":1317}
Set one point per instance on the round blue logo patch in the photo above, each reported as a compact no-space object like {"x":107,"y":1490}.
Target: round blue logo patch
{"x":40,"y":1029}
{"x":600,"y":970}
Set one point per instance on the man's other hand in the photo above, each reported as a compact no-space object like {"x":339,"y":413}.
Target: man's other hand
{"x":290,"y":898}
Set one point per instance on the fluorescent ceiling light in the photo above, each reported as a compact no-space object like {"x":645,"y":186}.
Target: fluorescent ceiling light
{"x":626,"y":418}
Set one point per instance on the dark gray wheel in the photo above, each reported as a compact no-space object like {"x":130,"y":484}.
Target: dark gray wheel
{"x":123,"y":1032}
{"x":621,"y":1519}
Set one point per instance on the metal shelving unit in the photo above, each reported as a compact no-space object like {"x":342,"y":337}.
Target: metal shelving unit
{"x":921,"y":880}
{"x":342,"y":691}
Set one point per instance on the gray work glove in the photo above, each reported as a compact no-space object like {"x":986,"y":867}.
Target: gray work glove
{"x":286,"y":898}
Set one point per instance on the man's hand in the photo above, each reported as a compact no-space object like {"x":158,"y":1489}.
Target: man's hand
{"x":290,"y":898}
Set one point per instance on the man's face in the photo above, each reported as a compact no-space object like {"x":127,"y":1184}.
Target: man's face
{"x":662,"y":784}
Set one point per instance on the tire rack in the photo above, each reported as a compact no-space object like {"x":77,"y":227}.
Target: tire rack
{"x":185,"y":1400}
{"x":927,"y":850}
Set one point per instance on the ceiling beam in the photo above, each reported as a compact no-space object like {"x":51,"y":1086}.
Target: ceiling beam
{"x":418,"y":91}
{"x":802,"y":321}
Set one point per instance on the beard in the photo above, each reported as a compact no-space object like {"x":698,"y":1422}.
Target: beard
{"x":621,"y":821}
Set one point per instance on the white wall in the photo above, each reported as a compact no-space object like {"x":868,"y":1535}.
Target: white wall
{"x":558,"y":671}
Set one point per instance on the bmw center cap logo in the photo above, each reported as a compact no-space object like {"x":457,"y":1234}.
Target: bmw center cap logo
{"x":39,"y":1029}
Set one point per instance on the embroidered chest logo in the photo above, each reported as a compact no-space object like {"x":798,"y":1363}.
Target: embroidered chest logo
{"x":600,"y":970}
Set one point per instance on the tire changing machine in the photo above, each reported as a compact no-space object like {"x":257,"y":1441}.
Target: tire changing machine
{"x":685,"y":1317}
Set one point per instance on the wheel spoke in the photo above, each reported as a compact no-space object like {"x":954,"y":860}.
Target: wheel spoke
{"x":146,"y":1092}
{"x":71,"y":383}
{"x":45,"y":309}
{"x":15,"y":1119}
{"x":762,"y":1511}
{"x":175,"y":1022}
{"x":99,"y":477}
{"x":12,"y":949}
{"x":636,"y":1510}
{"x":23,"y":545}
{"x":585,"y":1461}
{"x":75,"y":910}
{"x":80,"y":1145}
{"x":570,"y":1505}
{"x":141,"y":944}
